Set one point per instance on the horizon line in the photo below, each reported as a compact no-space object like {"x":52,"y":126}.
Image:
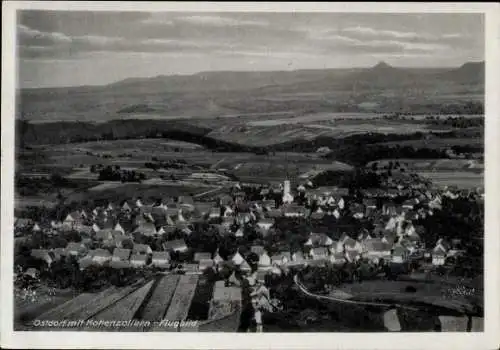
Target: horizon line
{"x":243,"y":71}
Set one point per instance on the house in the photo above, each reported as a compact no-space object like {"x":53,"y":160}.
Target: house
{"x":358,"y":211}
{"x":45,"y":255}
{"x":375,"y":250}
{"x":227,"y":211}
{"x":217,"y":259}
{"x":214,"y":213}
{"x":138,"y":260}
{"x":268,"y":204}
{"x":370,"y":203}
{"x":408,"y":204}
{"x":294,"y":210}
{"x":162,"y":230}
{"x":279,"y":260}
{"x":399,"y":254}
{"x":107,"y":234}
{"x":73,"y":219}
{"x":257,"y":249}
{"x":239,"y":232}
{"x":191,"y":269}
{"x":101,"y":256}
{"x":352,"y":255}
{"x":32,"y":272}
{"x":244,"y":218}
{"x":146,"y":229}
{"x":389,"y":208}
{"x":274,"y":213}
{"x":86,"y":261}
{"x":117,"y":241}
{"x":22,"y":223}
{"x":244,"y":266}
{"x":264,"y":259}
{"x":178,"y":245}
{"x":444,"y":245}
{"x":237,"y":259}
{"x":265,"y":223}
{"x":352,"y":245}
{"x":318,"y":240}
{"x":337,"y":258}
{"x":120,"y":254}
{"x":204,"y":264}
{"x":297,"y":258}
{"x":160,"y":259}
{"x":142,"y":249}
{"x":438,"y":256}
{"x":202,"y":256}
{"x":76,"y":249}
{"x":126,"y":207}
{"x":318,"y":214}
{"x":319,"y":253}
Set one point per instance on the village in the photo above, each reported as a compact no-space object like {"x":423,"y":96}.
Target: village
{"x":247,"y":236}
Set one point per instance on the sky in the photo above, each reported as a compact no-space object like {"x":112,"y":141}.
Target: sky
{"x":68,"y":48}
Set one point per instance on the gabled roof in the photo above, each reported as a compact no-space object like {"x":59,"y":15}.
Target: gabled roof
{"x":204,"y":263}
{"x":146,"y":228}
{"x":320,"y":239}
{"x":186,"y":200}
{"x":439,"y":251}
{"x":376,"y":245}
{"x":319,"y":251}
{"x":121,"y":253}
{"x":202,"y":256}
{"x":141,"y":248}
{"x":174,"y":244}
{"x":298,"y":256}
{"x":161,"y":256}
{"x":257,"y":249}
{"x":101,"y":253}
{"x":349,"y":242}
{"x":72,"y":246}
{"x":139,"y":258}
{"x":399,"y":250}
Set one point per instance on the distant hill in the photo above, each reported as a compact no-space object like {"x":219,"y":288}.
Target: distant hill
{"x":210,"y":94}
{"x":468,"y":73}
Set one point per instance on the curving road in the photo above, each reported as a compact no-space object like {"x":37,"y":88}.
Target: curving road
{"x":346,"y":301}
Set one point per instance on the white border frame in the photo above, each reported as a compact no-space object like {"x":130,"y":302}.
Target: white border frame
{"x":50,"y":340}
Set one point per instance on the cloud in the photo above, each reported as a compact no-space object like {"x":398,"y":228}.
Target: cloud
{"x":28,"y":34}
{"x":220,"y":21}
{"x":367,"y":31}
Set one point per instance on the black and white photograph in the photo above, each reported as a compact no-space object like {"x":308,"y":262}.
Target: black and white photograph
{"x":248,"y":171}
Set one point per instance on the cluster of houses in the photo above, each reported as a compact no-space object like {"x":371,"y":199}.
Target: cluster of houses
{"x":395,"y":238}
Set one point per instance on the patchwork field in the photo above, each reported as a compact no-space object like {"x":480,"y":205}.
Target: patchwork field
{"x":438,"y":143}
{"x":160,"y":300}
{"x":121,"y":191}
{"x":461,"y":179}
{"x":181,"y":301}
{"x":471,"y":165}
